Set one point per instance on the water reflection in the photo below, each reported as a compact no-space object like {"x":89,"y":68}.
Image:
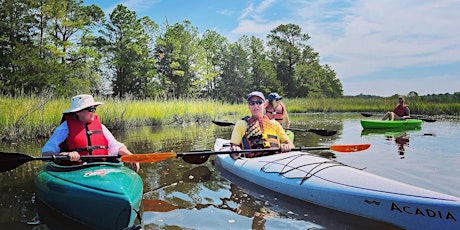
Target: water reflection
{"x":401,"y":137}
{"x":179,"y":195}
{"x":402,"y":141}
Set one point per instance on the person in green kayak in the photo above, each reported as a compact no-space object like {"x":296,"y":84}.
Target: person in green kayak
{"x":277,"y":110}
{"x":81,"y":133}
{"x":258,"y":131}
{"x":400,"y":112}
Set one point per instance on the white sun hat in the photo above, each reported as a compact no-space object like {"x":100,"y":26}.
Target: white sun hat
{"x":80,"y":102}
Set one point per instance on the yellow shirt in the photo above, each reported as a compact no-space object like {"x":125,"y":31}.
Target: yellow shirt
{"x":240,"y":130}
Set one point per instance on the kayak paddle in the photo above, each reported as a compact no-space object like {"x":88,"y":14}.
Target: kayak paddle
{"x":412,"y":117}
{"x":320,"y":132}
{"x":197,"y":157}
{"x":10,"y":161}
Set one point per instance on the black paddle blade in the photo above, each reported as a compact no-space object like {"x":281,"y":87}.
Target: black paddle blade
{"x":223,"y":123}
{"x":195,"y":159}
{"x":323,"y":132}
{"x":367,"y":114}
{"x":10,"y":161}
{"x":427,"y":119}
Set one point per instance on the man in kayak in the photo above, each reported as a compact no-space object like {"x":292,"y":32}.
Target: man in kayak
{"x":81,"y":133}
{"x":400,"y":112}
{"x":277,"y":110}
{"x":258,"y":131}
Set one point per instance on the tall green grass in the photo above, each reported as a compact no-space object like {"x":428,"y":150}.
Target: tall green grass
{"x":27,"y":117}
{"x":380,"y":105}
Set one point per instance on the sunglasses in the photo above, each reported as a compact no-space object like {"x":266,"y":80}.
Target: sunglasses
{"x":91,"y":109}
{"x":259,"y":102}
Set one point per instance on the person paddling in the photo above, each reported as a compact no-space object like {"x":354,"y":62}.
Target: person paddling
{"x":81,"y":133}
{"x":258,"y":131}
{"x":400,"y":112}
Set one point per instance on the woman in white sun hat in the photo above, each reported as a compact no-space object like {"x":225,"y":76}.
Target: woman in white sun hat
{"x":81,"y":133}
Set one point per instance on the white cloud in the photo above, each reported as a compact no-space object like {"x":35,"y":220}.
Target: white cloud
{"x":373,"y":35}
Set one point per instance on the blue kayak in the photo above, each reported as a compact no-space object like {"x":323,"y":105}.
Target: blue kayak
{"x":337,"y":186}
{"x":98,"y":195}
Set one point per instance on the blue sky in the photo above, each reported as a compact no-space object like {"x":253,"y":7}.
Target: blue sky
{"x":376,"y":47}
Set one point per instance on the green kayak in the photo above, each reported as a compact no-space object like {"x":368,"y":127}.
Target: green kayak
{"x":290,"y":134}
{"x":379,"y":124}
{"x":98,"y":195}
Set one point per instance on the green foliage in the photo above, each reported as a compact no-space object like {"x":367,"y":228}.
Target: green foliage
{"x":54,"y":43}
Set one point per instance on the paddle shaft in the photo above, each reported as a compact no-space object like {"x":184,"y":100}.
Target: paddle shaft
{"x":320,"y":132}
{"x":198,"y":157}
{"x":247,"y":151}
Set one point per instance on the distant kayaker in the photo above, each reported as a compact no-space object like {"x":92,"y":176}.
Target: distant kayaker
{"x":258,"y":131}
{"x":400,"y":112}
{"x":81,"y":133}
{"x":277,"y":110}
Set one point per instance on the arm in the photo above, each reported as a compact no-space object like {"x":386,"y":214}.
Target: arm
{"x":406,"y":112}
{"x":117,"y":148}
{"x":286,"y":118}
{"x":286,"y":144}
{"x":237,"y":134}
{"x":51,"y":147}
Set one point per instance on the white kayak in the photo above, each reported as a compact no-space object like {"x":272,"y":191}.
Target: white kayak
{"x":334,"y":185}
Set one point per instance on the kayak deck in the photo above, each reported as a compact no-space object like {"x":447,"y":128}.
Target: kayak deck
{"x":341,"y":187}
{"x":108,"y":191}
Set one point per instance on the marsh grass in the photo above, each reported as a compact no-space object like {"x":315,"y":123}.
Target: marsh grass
{"x":28,"y":117}
{"x":380,"y":105}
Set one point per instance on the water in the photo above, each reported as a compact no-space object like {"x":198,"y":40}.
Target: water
{"x":203,"y":197}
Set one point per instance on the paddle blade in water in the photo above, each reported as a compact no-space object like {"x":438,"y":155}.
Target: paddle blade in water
{"x":349,"y":148}
{"x":147,"y":158}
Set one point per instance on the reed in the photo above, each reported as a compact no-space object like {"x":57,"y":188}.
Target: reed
{"x":26,"y":117}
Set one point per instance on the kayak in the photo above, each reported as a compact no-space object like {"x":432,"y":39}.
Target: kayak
{"x":341,"y":187}
{"x":379,"y":124}
{"x":290,"y":135}
{"x":98,"y":195}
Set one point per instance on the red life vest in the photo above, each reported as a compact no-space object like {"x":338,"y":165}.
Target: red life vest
{"x":86,"y":139}
{"x":260,"y":134}
{"x":400,"y":110}
{"x":276,"y":113}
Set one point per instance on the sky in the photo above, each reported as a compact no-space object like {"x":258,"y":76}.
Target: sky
{"x":378,"y":48}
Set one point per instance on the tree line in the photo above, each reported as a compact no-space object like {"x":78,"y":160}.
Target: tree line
{"x":70,"y":48}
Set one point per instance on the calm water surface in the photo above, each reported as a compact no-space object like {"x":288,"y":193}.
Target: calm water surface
{"x":205,"y":197}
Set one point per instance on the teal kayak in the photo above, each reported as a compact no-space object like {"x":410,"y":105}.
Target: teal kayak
{"x":345,"y":188}
{"x":379,"y":124}
{"x":98,"y":195}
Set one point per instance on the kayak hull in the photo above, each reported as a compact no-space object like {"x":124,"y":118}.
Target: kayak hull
{"x":344,"y":188}
{"x":396,"y":124}
{"x":97,"y":195}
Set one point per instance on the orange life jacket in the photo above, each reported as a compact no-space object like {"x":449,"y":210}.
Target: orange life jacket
{"x":276,"y":113}
{"x":260,"y":134}
{"x":86,"y":139}
{"x":400,"y":110}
